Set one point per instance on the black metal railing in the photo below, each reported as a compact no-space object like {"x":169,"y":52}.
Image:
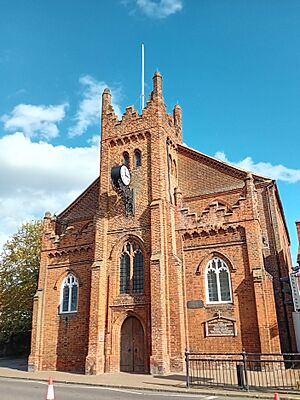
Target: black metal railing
{"x":244,"y":370}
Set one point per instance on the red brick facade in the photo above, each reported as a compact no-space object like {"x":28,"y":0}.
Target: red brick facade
{"x":189,"y":209}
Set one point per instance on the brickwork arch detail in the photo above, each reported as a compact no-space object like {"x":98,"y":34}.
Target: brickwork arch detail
{"x":116,"y":249}
{"x":116,"y":332}
{"x":222,"y":202}
{"x":118,"y":322}
{"x":203,"y":263}
{"x":63,"y":275}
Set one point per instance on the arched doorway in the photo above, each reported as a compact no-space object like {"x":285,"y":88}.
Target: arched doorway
{"x":132,"y":354}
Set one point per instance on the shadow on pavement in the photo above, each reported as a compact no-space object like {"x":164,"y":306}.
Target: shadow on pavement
{"x":19,"y":363}
{"x":182,"y":378}
{"x":172,"y":377}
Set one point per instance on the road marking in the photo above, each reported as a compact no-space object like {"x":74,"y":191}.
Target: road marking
{"x":171,"y":394}
{"x":145,"y":393}
{"x":87,"y":386}
{"x":123,"y":390}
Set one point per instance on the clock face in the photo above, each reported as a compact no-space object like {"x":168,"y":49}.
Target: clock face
{"x":125,"y":175}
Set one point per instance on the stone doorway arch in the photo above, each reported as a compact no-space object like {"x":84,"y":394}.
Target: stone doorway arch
{"x":132,"y":346}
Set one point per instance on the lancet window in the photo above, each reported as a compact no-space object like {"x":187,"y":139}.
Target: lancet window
{"x":131,"y":269}
{"x":137,"y":158}
{"x":69,"y":294}
{"x":126,"y":159}
{"x":218,"y":285}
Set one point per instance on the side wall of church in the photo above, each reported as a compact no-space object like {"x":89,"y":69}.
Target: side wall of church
{"x":226,"y":222}
{"x":60,"y":340}
{"x":277,"y":258}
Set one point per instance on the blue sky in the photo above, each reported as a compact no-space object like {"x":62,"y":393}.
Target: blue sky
{"x":233,"y":66}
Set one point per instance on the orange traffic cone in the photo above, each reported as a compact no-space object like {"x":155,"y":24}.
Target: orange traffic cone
{"x":50,"y":391}
{"x":276,"y":396}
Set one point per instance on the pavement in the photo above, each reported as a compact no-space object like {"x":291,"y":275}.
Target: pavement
{"x":16,"y":368}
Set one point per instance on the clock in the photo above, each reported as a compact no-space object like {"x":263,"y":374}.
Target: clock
{"x":125,"y":175}
{"x":120,"y":177}
{"x":120,"y":174}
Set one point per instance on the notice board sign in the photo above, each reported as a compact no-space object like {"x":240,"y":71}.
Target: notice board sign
{"x":220,"y":326}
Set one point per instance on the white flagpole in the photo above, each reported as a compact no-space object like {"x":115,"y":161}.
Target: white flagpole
{"x":143,"y":78}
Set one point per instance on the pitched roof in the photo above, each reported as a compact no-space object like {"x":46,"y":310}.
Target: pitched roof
{"x":84,"y":206}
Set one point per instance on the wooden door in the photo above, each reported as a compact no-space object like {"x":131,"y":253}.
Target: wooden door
{"x":132,"y":346}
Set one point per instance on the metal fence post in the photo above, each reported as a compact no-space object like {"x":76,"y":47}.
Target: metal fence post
{"x":246,"y":386}
{"x":187,"y":369}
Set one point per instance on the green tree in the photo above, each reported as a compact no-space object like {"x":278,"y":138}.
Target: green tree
{"x":19,"y":267}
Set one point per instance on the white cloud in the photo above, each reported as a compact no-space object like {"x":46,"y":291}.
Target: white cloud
{"x":88,"y":113}
{"x":36,"y":177}
{"x":278,"y":172}
{"x":159,"y":9}
{"x":39,"y":121}
{"x":94,"y":140}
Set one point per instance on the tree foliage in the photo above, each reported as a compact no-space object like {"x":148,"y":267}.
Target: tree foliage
{"x":19,"y":267}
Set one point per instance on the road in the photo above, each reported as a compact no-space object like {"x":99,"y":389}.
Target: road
{"x":14,"y":389}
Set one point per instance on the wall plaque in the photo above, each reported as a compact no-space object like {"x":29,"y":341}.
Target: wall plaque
{"x":220,"y":327}
{"x":195,"y":304}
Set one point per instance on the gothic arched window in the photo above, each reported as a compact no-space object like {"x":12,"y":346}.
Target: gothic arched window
{"x":126,"y":159}
{"x":137,"y":158}
{"x":69,"y":294}
{"x":218,"y":286}
{"x":131,"y":269}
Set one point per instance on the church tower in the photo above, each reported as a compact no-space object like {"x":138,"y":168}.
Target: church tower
{"x":132,"y":305}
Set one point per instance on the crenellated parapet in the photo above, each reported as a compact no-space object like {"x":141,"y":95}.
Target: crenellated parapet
{"x":153,"y":115}
{"x":61,"y":236}
{"x":220,"y":214}
{"x":50,"y":236}
{"x":217,"y":215}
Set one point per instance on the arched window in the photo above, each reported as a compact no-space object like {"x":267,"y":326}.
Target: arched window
{"x":131,"y":269}
{"x":137,"y":158}
{"x":218,"y":286}
{"x":126,"y":159}
{"x":69,"y":295}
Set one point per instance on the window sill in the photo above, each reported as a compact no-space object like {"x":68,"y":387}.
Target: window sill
{"x":67,"y":313}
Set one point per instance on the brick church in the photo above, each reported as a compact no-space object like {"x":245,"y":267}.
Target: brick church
{"x":168,"y":249}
